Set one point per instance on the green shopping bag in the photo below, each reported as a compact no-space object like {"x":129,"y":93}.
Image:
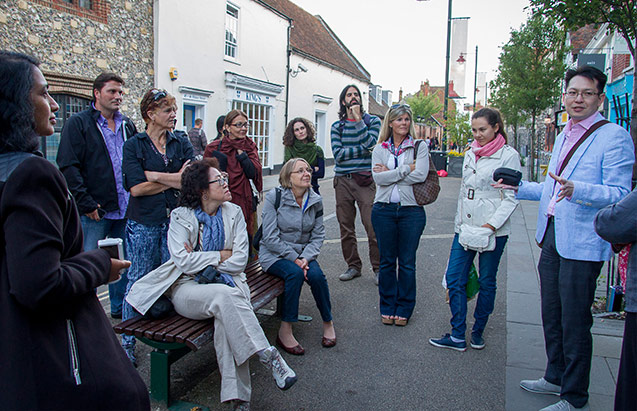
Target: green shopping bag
{"x":473,"y":286}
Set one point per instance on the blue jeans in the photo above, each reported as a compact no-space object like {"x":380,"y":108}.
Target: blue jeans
{"x":398,"y":230}
{"x":458,"y":268}
{"x":293,"y":277}
{"x":99,"y":230}
{"x":147,"y":249}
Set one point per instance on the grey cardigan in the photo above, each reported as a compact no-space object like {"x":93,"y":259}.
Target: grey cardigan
{"x":617,"y":224}
{"x":291,"y":232}
{"x":401,"y":176}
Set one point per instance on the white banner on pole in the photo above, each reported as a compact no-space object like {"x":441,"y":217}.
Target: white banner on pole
{"x":458,"y":56}
{"x":481,"y":88}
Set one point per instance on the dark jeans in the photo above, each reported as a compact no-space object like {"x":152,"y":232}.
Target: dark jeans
{"x":457,"y":275}
{"x":567,"y":289}
{"x":99,"y":230}
{"x":398,"y":230}
{"x":293,"y":276}
{"x":626,"y":393}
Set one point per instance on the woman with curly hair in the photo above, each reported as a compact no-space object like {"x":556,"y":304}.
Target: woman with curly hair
{"x":207,"y":230}
{"x":299,"y":142}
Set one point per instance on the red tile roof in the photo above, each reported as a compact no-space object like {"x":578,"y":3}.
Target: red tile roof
{"x":581,"y":37}
{"x":312,"y":38}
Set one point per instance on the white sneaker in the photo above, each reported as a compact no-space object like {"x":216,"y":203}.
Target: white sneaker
{"x":564,"y":405}
{"x":540,"y":386}
{"x":284,"y":376}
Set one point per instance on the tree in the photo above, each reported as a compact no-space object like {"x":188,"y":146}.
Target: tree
{"x":424,"y":106}
{"x":530,"y":72}
{"x":621,"y":15}
{"x":513,"y":116}
{"x":458,"y":128}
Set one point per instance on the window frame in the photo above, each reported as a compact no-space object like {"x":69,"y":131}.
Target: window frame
{"x":231,"y":26}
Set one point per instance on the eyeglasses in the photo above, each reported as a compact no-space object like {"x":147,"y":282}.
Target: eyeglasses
{"x":158,"y":94}
{"x":401,"y":105}
{"x":222,"y":181}
{"x":302,"y":171}
{"x":572,"y":93}
{"x":241,"y":125}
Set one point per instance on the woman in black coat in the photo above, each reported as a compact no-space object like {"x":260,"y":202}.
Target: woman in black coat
{"x":58,"y":349}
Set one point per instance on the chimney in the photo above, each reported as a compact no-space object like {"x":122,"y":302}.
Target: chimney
{"x":400,"y":94}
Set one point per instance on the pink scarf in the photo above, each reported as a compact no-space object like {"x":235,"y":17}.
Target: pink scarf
{"x":488,"y":149}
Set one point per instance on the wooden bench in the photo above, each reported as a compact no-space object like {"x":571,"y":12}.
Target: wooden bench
{"x":176,"y":336}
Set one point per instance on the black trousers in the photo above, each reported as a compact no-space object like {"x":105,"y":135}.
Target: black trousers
{"x":626,"y":394}
{"x":567,"y":291}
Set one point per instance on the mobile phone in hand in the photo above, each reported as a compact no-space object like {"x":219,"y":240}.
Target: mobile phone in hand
{"x":114,"y":246}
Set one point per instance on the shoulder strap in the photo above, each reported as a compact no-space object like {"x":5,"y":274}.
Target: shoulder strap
{"x":277,"y":200}
{"x":579,"y":143}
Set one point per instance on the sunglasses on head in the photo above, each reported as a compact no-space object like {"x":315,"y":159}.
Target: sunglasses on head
{"x":401,"y":105}
{"x":158,"y":94}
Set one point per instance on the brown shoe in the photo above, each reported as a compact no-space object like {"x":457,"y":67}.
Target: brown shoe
{"x":296,"y":350}
{"x":328,"y":342}
{"x":401,"y":321}
{"x":386,"y":320}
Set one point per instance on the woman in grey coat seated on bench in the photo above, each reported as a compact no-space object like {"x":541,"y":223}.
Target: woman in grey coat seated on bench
{"x":293,"y":234}
{"x":207,"y":230}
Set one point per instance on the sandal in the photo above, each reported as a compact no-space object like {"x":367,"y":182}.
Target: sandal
{"x":385,"y":319}
{"x":401,"y":321}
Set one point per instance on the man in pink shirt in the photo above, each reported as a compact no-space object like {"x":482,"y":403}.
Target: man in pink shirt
{"x":590,"y":168}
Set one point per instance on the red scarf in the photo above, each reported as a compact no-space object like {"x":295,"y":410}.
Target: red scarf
{"x":488,"y":149}
{"x":238,"y":182}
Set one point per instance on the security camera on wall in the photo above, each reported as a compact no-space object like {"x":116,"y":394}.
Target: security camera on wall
{"x":302,"y":68}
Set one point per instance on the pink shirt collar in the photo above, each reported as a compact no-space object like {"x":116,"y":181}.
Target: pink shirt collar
{"x":586,"y":123}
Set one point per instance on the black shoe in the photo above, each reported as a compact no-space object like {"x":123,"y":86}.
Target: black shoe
{"x":116,"y":316}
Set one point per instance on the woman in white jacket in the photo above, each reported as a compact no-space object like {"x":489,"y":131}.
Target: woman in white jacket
{"x":209,"y":230}
{"x":480,"y":205}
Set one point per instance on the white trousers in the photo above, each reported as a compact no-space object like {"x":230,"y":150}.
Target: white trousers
{"x":238,"y":334}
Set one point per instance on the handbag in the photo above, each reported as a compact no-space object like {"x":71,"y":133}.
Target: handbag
{"x":509,"y":176}
{"x":479,"y":239}
{"x":210,"y":275}
{"x":160,"y":309}
{"x":427,"y":191}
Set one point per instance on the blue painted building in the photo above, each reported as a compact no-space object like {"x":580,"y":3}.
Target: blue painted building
{"x":619,"y":94}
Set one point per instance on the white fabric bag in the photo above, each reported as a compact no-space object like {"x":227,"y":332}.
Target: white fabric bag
{"x":475,"y":238}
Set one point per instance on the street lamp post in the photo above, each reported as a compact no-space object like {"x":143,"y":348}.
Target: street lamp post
{"x":475,"y":83}
{"x":445,"y":110}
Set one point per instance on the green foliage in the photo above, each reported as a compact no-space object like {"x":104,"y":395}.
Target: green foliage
{"x":621,"y":15}
{"x":424,"y":106}
{"x":530,"y":71}
{"x":458,"y":128}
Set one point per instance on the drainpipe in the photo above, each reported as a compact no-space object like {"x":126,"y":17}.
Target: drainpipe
{"x":287,"y":73}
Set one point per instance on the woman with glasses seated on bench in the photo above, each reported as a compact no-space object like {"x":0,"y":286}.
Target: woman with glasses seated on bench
{"x":58,"y":350}
{"x":293,"y":234}
{"x":206,"y":230}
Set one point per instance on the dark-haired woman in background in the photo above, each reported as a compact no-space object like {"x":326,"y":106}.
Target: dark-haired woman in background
{"x":243,"y":164}
{"x":152,"y":165}
{"x":58,"y":349}
{"x":206,"y":229}
{"x":479,"y":205}
{"x":299,"y":142}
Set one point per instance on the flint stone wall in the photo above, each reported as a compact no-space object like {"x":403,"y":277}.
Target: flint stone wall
{"x":117,"y":37}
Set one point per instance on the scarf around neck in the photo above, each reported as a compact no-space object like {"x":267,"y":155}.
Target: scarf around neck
{"x":309,"y":152}
{"x":213,"y":237}
{"x":488,"y":149}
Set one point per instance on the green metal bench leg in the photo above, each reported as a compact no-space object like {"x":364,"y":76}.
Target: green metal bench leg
{"x":161,"y":358}
{"x":160,"y":376}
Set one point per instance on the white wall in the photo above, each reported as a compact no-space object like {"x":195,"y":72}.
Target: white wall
{"x":190,"y":36}
{"x":322,"y":81}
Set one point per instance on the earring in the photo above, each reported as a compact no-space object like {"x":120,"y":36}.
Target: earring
{"x":205,"y":197}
